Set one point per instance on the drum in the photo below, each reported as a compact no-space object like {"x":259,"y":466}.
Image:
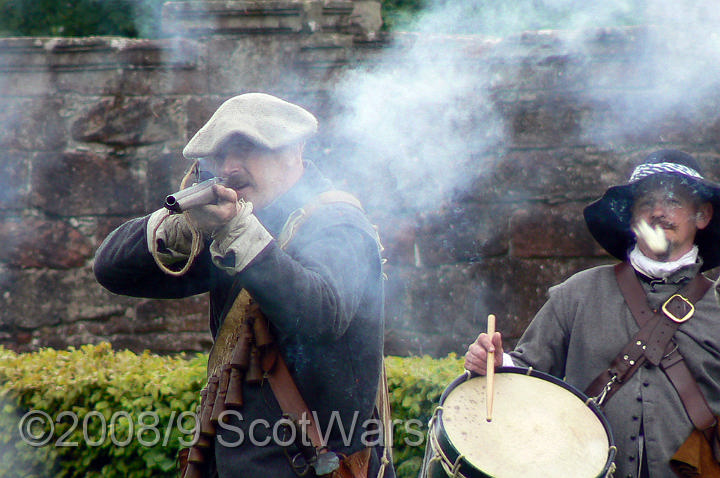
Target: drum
{"x":541,"y":427}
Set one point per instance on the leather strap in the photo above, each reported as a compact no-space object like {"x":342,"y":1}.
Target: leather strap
{"x":288,"y":395}
{"x":653,"y":343}
{"x":298,"y":216}
{"x":354,"y":466}
{"x":292,"y":404}
{"x":691,"y":396}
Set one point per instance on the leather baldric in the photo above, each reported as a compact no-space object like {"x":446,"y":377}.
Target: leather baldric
{"x":244,"y":346}
{"x":653,"y":343}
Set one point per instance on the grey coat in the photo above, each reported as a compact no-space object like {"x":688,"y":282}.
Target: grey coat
{"x":584,"y":325}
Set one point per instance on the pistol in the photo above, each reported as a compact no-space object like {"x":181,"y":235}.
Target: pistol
{"x":196,"y":195}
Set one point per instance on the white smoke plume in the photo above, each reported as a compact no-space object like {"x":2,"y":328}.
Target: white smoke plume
{"x":423,"y":118}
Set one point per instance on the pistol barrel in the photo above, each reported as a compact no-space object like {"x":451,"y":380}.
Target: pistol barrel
{"x":197,"y":195}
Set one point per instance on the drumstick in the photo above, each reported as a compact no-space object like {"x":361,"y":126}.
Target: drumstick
{"x":490,"y":392}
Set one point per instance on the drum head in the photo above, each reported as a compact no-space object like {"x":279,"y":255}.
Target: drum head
{"x":539,"y":428}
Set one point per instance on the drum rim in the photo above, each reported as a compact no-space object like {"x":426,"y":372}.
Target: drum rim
{"x":468,"y":469}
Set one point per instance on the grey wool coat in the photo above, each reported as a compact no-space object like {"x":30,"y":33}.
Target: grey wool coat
{"x":584,"y":325}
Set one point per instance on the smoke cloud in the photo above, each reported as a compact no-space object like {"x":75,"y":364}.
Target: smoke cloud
{"x":423,"y":116}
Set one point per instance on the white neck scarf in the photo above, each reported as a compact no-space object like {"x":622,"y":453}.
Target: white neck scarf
{"x":660,"y":270}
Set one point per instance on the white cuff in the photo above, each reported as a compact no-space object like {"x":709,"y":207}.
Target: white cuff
{"x":243,"y":238}
{"x":171,"y":231}
{"x":507,"y":360}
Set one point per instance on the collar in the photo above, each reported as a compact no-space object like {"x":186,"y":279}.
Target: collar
{"x":687,"y":266}
{"x":311,"y":183}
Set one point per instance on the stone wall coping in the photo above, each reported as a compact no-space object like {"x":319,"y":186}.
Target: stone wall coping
{"x":55,"y":53}
{"x":222,"y":17}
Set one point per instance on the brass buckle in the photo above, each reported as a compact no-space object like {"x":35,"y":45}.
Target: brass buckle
{"x":674,"y":318}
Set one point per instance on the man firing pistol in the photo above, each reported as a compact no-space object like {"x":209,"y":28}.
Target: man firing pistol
{"x":293,"y":271}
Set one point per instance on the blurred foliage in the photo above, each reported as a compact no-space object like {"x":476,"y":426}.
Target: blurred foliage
{"x":128,"y":408}
{"x":508,"y":17}
{"x":400,"y":13}
{"x":128,"y":18}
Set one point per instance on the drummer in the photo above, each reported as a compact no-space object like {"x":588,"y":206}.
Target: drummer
{"x":586,"y":323}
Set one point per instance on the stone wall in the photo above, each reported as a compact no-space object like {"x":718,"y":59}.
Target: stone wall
{"x":93,"y":129}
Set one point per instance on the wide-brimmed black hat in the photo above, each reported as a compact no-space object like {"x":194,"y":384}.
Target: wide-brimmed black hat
{"x":608,"y":218}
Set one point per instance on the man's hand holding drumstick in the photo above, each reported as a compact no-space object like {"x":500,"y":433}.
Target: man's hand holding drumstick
{"x":477,"y":354}
{"x":482,"y":359}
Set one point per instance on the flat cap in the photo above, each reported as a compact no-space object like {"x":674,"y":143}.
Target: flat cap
{"x":260,"y":118}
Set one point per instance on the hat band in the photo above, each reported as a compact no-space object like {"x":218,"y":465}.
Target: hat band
{"x":648,"y":169}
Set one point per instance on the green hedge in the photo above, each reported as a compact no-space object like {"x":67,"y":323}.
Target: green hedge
{"x":130,"y":18}
{"x":132,"y":410}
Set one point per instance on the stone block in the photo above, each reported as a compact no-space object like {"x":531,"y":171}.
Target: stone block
{"x":161,"y":326}
{"x":130,"y":121}
{"x":540,"y":230}
{"x":104,"y":226}
{"x":366,"y":18}
{"x":161,"y":81}
{"x":462,"y":232}
{"x":67,"y":53}
{"x":559,"y":71}
{"x":641,"y":118}
{"x":203,"y":18}
{"x":190,"y":313}
{"x":84,"y":183}
{"x":24,"y":84}
{"x":17,"y":53}
{"x":710,"y":163}
{"x":162,"y":343}
{"x":130,"y":82}
{"x":32,"y":124}
{"x":556,"y":175}
{"x":199,"y":110}
{"x":547,"y":121}
{"x":253,"y":17}
{"x":98,"y":65}
{"x":164,"y":175}
{"x":68,"y":336}
{"x":24,"y":68}
{"x":441,"y":310}
{"x":398,"y":237}
{"x":14,"y":180}
{"x":320,"y":61}
{"x":246,"y":63}
{"x":42,"y":243}
{"x":34,"y":298}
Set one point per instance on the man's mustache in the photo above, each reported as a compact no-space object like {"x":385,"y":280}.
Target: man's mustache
{"x":663,"y":224}
{"x":238,"y":181}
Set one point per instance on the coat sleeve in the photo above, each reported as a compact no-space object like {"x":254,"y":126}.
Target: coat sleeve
{"x":316,"y":287}
{"x":544,"y":343}
{"x":124,"y":265}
